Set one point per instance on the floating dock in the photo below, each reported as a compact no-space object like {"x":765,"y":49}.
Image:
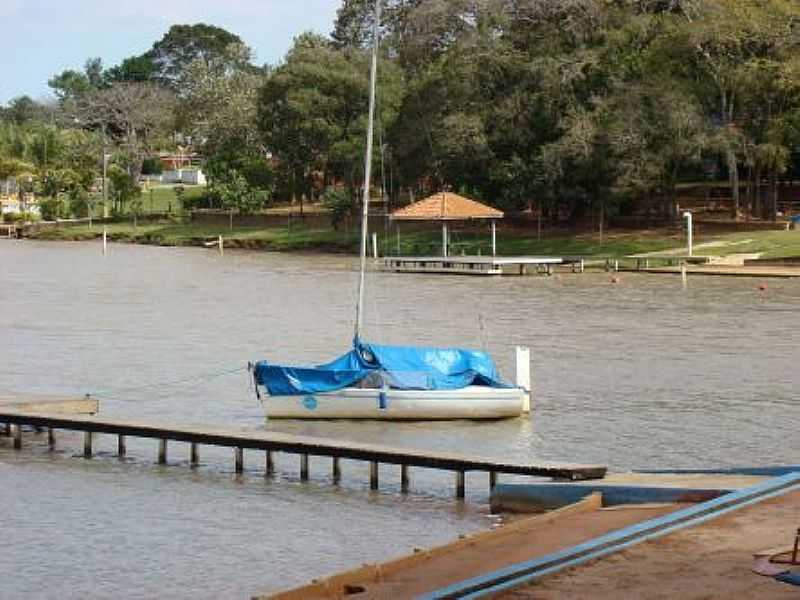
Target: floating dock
{"x":480,"y":265}
{"x":271,"y":442}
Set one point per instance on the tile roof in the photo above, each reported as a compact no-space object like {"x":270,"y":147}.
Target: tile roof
{"x":446,"y":206}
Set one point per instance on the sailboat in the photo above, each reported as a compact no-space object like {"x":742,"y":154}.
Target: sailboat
{"x":374,"y":381}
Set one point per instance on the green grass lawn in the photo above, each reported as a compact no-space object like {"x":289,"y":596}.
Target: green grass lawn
{"x":158,"y":199}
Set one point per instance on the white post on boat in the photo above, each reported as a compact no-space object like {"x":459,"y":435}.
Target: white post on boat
{"x":368,"y":168}
{"x":688,"y":216}
{"x":494,"y":237}
{"x":524,"y":376}
{"x":105,"y":241}
{"x":375,"y":246}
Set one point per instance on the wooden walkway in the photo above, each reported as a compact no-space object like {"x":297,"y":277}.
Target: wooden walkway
{"x":479,"y":265}
{"x":271,"y":442}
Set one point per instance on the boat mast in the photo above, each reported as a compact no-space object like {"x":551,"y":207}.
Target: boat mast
{"x":368,"y":169}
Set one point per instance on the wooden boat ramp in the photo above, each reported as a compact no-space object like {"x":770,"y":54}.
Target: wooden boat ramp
{"x":271,"y":442}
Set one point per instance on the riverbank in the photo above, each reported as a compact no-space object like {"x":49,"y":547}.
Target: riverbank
{"x":615,"y":244}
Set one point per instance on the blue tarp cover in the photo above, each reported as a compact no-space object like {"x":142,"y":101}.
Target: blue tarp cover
{"x":398,"y":367}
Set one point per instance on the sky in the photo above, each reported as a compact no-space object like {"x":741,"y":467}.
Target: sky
{"x":44,"y":37}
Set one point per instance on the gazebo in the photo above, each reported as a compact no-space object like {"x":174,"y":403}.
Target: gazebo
{"x":446,"y":207}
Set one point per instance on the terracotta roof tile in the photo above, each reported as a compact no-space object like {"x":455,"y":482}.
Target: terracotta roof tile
{"x":446,"y":206}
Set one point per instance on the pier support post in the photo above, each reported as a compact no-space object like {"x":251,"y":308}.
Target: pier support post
{"x":336,"y":470}
{"x":405,"y":480}
{"x":492,"y":480}
{"x":87,"y":444}
{"x":304,"y":467}
{"x":270,"y":470}
{"x":162,"y":451}
{"x":373,"y":475}
{"x":122,"y":446}
{"x":51,"y":438}
{"x":194,"y":455}
{"x":8,"y":429}
{"x":239,"y":459}
{"x":17,"y":436}
{"x":460,"y":487}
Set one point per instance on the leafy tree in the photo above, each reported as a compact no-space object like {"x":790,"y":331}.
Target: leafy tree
{"x":134,"y":68}
{"x":22,"y":109}
{"x":183,"y":44}
{"x":123,"y":186}
{"x":312,"y":112}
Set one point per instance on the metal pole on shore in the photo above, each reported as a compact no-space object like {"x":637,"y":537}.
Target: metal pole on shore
{"x":688,"y":216}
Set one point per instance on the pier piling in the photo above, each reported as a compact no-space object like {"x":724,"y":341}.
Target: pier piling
{"x":404,"y":479}
{"x":17,"y":437}
{"x":87,"y":444}
{"x":336,"y":470}
{"x":492,"y":480}
{"x":270,"y":466}
{"x":194,"y":455}
{"x":122,"y":446}
{"x":460,"y":484}
{"x":304,"y":467}
{"x":373,"y":475}
{"x":162,"y":451}
{"x":239,"y":459}
{"x":51,"y":438}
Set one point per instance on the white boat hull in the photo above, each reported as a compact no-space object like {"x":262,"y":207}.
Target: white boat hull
{"x":473,"y":402}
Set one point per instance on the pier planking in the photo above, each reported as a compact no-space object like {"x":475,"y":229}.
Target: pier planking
{"x":304,"y":446}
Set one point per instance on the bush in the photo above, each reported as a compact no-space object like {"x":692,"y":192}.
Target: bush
{"x":152,"y":166}
{"x":79,"y":203}
{"x":207,"y":199}
{"x":340,"y":203}
{"x":20,"y":217}
{"x":52,"y":209}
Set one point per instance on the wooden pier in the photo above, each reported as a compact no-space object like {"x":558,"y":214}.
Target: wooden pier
{"x":271,"y":442}
{"x":9,"y":230}
{"x":480,"y":265}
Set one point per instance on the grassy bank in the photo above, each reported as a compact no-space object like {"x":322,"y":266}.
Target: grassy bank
{"x":772,"y":244}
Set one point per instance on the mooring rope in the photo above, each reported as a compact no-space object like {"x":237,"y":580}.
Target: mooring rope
{"x":116,"y":393}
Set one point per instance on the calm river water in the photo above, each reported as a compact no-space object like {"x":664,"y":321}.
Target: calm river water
{"x":635,"y":375}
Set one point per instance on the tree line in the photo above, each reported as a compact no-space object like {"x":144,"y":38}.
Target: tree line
{"x":568,"y":106}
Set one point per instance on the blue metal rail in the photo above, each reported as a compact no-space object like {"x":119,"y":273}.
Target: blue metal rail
{"x":526,"y":572}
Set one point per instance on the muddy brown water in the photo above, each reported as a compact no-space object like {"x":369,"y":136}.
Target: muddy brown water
{"x":635,"y":375}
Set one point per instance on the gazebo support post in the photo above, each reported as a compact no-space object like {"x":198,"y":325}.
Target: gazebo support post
{"x":444,"y":239}
{"x":494,"y":237}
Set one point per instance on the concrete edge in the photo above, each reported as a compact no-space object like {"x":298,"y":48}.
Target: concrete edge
{"x":334,"y":586}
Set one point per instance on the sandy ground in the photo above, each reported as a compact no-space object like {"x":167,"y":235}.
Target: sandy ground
{"x":708,"y":562}
{"x":519,"y":541}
